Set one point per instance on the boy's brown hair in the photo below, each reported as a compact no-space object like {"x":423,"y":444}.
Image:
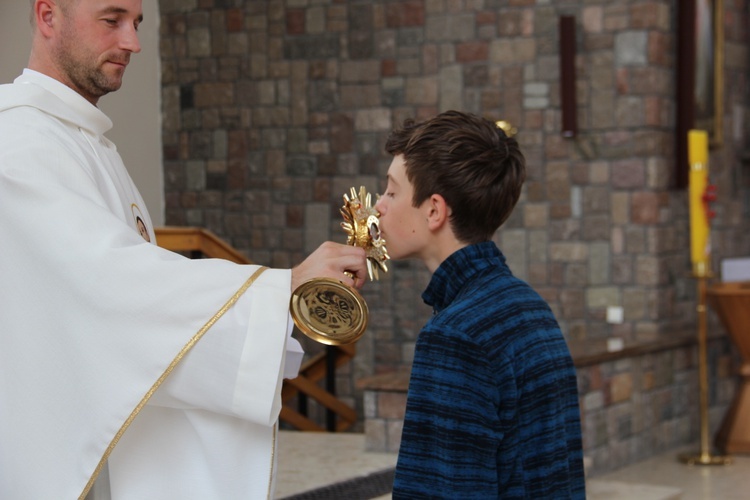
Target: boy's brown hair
{"x":470,"y":162}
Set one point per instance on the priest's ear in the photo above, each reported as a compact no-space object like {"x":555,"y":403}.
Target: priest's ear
{"x":43,"y":16}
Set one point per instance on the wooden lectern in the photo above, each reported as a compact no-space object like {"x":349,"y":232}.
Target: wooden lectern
{"x":731,"y":301}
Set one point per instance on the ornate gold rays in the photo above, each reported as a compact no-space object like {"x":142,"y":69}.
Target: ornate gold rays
{"x":362,"y":226}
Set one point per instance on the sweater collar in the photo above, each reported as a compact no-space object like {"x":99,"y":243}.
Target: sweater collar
{"x":457,"y":270}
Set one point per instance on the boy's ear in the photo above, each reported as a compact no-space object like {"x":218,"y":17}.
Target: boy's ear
{"x":438,"y":212}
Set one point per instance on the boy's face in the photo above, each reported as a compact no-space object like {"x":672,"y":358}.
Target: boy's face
{"x":403,"y":226}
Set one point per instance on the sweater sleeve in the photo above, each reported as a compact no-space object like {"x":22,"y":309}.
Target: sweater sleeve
{"x":455,"y":421}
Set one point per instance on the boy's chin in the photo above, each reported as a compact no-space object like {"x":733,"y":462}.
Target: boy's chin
{"x":400,"y":256}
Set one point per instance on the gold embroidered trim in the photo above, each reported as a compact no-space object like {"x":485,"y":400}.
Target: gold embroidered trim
{"x":164,"y":375}
{"x":273,"y":458}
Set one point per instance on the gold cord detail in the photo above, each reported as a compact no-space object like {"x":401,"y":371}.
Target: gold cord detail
{"x":166,"y":373}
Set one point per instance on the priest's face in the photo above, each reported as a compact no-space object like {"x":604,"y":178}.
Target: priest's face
{"x":94,"y":42}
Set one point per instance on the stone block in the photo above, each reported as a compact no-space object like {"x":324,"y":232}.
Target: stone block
{"x":599,"y":297}
{"x":391,"y":404}
{"x":635,"y":304}
{"x":599,"y":263}
{"x":575,"y":275}
{"x":648,"y":270}
{"x":620,"y":208}
{"x":308,"y":47}
{"x":628,"y":174}
{"x":213,"y":94}
{"x":658,"y":48}
{"x":238,"y":44}
{"x":360,"y":71}
{"x":421,"y":90}
{"x":592,"y":19}
{"x":394,"y":429}
{"x":635,"y":240}
{"x":621,"y":387}
{"x":537,"y":274}
{"x":596,"y":227}
{"x":538,"y":241}
{"x":408,"y":13}
{"x":616,"y":17}
{"x":196,"y":175}
{"x":617,"y":239}
{"x":651,"y":80}
{"x":378,"y":119}
{"x":646,"y":208}
{"x":451,"y":87}
{"x":375,"y":435}
{"x":596,"y":199}
{"x":572,"y":303}
{"x":659,"y":173}
{"x":513,"y":51}
{"x":569,"y":251}
{"x":199,"y":42}
{"x":602,"y":104}
{"x":509,"y":23}
{"x":453,"y":28}
{"x":631,"y":48}
{"x":599,"y":41}
{"x":629,"y":112}
{"x":473,"y":51}
{"x":315,"y":20}
{"x":654,"y":15}
{"x":535,"y":215}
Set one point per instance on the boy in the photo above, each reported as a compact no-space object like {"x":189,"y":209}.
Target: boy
{"x":492,"y":409}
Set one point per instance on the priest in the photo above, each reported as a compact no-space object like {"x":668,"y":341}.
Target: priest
{"x":119,"y":359}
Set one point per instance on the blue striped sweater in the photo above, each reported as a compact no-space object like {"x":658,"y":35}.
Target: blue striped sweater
{"x":492,"y":409}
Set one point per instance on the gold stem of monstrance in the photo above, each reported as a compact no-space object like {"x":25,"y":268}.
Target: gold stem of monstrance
{"x":327,"y":310}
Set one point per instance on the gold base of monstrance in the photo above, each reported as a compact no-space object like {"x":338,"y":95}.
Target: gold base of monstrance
{"x":327,"y":310}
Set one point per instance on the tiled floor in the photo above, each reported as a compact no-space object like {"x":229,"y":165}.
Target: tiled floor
{"x":312,"y":460}
{"x":693,"y":482}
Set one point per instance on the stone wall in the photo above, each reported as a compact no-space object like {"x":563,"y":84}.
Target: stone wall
{"x":646,"y":403}
{"x":275,"y":109}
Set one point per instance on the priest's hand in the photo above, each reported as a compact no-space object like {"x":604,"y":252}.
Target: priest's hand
{"x":345,"y":263}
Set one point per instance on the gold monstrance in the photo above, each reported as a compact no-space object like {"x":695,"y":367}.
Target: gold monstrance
{"x":362,"y":224}
{"x":327,"y":310}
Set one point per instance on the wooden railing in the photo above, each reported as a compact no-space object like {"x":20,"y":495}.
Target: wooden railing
{"x":199,"y":243}
{"x":321,"y":367}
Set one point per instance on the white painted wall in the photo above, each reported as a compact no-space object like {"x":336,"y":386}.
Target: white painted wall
{"x":135,"y":109}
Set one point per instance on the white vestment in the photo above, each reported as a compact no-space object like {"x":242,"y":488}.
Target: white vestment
{"x":92,"y":318}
